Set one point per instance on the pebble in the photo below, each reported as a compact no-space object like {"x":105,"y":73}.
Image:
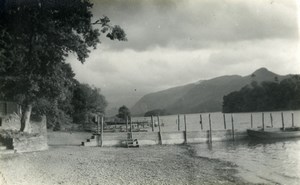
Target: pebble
{"x":93,"y":165}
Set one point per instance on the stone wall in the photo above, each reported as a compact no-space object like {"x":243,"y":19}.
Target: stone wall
{"x":37,"y":140}
{"x":39,"y":125}
{"x":114,"y":139}
{"x":67,"y":138}
{"x":152,"y":138}
{"x":24,"y":142}
{"x":30,"y":144}
{"x":147,"y":138}
{"x":169,"y":138}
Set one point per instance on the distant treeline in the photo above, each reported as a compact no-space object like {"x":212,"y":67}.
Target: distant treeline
{"x":267,"y":96}
{"x":156,"y":112}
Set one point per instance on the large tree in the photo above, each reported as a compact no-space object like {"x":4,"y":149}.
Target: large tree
{"x":35,"y":38}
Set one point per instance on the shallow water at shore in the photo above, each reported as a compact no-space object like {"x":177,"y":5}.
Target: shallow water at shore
{"x":271,"y":162}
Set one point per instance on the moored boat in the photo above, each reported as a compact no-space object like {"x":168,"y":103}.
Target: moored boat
{"x":274,"y":133}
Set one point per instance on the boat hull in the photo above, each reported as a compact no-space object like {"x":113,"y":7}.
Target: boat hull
{"x":274,"y":133}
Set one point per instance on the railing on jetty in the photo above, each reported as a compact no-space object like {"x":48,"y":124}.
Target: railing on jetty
{"x":124,"y":122}
{"x":123,"y":126}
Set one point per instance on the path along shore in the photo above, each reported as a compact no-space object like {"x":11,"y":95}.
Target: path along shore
{"x":70,"y":165}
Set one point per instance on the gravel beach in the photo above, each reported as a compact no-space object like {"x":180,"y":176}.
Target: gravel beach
{"x":109,"y":165}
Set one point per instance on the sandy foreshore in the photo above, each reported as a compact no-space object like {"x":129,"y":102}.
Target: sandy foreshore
{"x":94,"y":165}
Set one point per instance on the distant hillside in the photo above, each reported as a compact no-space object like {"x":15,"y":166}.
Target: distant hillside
{"x":160,"y":99}
{"x":204,"y":96}
{"x":267,"y":96}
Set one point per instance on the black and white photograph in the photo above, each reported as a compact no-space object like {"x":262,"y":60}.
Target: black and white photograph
{"x":149,"y":92}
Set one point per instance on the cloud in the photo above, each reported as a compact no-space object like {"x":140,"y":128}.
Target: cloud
{"x":278,"y":55}
{"x":136,"y":73}
{"x":198,"y":23}
{"x":173,"y":43}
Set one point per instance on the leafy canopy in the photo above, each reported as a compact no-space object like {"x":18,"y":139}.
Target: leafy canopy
{"x":124,"y":113}
{"x":35,"y":38}
{"x":87,"y":101}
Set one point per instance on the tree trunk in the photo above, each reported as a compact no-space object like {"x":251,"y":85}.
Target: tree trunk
{"x":25,"y":119}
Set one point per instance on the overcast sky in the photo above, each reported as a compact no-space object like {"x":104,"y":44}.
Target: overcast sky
{"x":176,"y":42}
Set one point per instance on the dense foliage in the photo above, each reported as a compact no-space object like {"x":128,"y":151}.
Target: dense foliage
{"x":267,"y":96}
{"x":87,"y":101}
{"x":124,"y":113}
{"x":35,"y":38}
{"x":156,"y":112}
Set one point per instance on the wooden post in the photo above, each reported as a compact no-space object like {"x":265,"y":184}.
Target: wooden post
{"x":224,"y":118}
{"x":210,"y":131}
{"x":185,"y":122}
{"x":178,"y":122}
{"x":158,"y":120}
{"x":232,"y":127}
{"x":282,"y":120}
{"x":102,"y":122}
{"x":185,"y":130}
{"x":98,"y":124}
{"x":263,"y":120}
{"x":98,"y":130}
{"x":159,"y":131}
{"x":201,"y":123}
{"x":130,"y":121}
{"x":271,"y":118}
{"x":293,"y":120}
{"x":115,"y":124}
{"x":251,"y":121}
{"x":126,"y":123}
{"x":152,"y":123}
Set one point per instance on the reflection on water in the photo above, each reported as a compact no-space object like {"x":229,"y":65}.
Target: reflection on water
{"x":271,"y":162}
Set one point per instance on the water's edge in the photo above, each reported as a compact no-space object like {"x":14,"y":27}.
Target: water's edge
{"x":225,"y":169}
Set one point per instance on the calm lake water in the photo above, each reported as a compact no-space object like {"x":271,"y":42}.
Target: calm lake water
{"x":270,"y":162}
{"x":242,"y":121}
{"x":276,"y":162}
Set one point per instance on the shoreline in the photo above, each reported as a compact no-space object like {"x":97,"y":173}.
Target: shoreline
{"x":226,"y":169}
{"x":172,"y":164}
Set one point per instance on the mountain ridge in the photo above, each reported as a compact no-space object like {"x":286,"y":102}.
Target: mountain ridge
{"x":202,"y":96}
